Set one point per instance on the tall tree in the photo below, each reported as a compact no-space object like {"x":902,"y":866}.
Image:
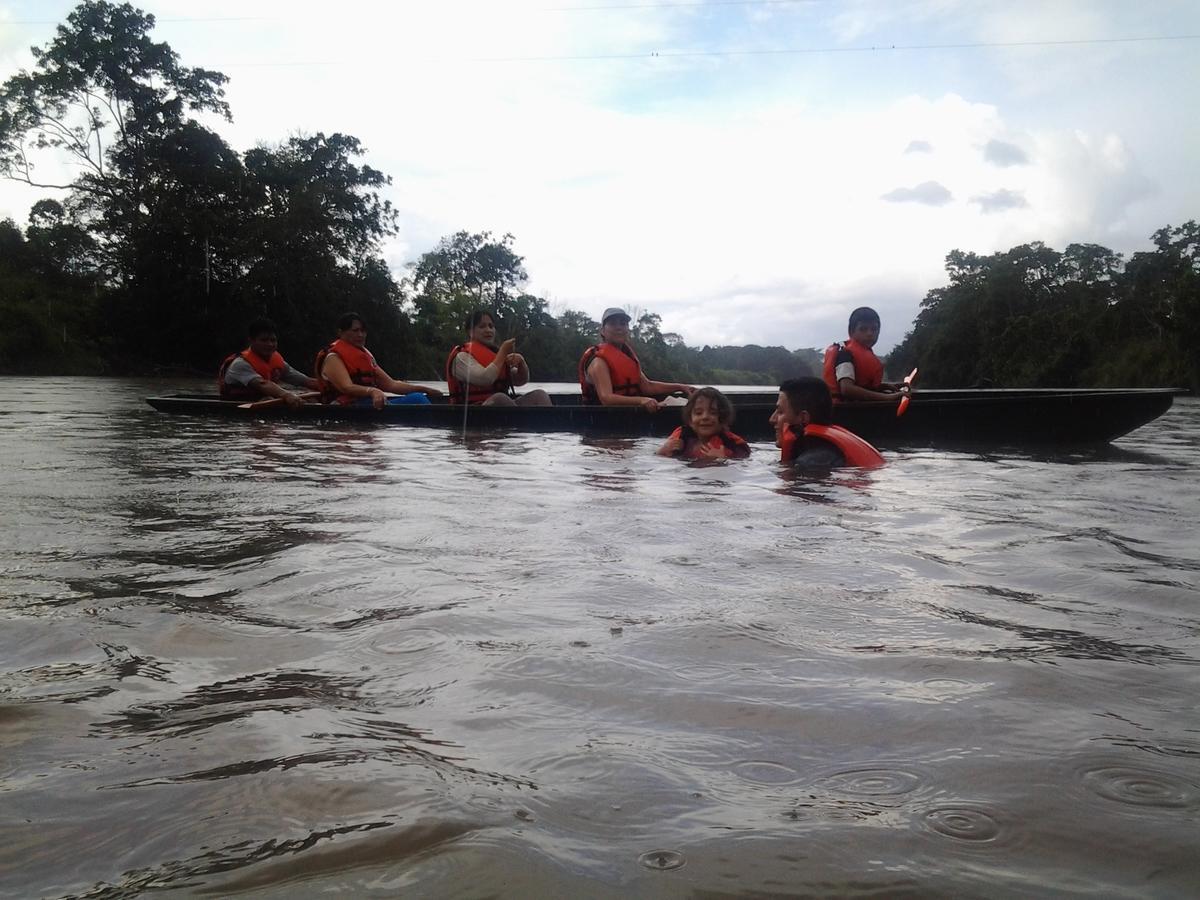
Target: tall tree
{"x":100,"y":99}
{"x":468,"y":271}
{"x":1033,"y":317}
{"x":190,"y":239}
{"x":309,"y":244}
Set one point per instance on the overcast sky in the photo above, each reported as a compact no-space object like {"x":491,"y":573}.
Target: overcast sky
{"x":750,"y":171}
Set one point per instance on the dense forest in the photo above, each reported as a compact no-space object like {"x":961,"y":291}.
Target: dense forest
{"x":1034,"y":317}
{"x":167,"y":241}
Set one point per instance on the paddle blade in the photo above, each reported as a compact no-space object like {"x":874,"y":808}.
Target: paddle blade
{"x":262,"y":404}
{"x":903,"y":405}
{"x":306,"y":396}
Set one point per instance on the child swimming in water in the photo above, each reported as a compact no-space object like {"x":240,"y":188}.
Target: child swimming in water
{"x":705,"y":431}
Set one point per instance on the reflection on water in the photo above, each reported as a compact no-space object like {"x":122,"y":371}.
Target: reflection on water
{"x":286,"y":658}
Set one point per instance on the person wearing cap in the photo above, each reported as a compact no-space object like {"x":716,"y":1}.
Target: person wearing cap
{"x":610,"y":373}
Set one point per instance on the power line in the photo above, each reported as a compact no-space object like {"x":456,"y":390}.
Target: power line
{"x":157,"y":20}
{"x":782,"y":51}
{"x":681,"y":4}
{"x":875,"y":48}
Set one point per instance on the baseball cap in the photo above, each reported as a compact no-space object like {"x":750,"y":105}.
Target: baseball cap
{"x":613,"y":311}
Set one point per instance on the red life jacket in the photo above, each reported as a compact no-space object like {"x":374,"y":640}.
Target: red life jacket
{"x":868,"y":369}
{"x":475,"y":394}
{"x":624,"y":369}
{"x":857,"y":451}
{"x":268,"y":370}
{"x":359,"y":363}
{"x":735,"y":446}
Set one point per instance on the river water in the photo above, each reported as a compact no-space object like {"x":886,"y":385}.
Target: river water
{"x":279,"y":659}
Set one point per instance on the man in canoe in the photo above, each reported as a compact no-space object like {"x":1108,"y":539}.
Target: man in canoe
{"x":804,"y":435}
{"x":259,"y":372}
{"x":852,"y":370}
{"x":610,"y":373}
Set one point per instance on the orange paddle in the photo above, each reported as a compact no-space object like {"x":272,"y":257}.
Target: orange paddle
{"x":904,"y":400}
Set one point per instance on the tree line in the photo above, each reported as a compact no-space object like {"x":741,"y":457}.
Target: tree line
{"x":1084,"y":317}
{"x":167,"y":241}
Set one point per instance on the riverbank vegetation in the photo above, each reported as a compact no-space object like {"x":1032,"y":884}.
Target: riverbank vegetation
{"x":154,"y":256}
{"x":1034,"y":317}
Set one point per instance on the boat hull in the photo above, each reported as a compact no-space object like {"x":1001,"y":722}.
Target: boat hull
{"x":993,"y":417}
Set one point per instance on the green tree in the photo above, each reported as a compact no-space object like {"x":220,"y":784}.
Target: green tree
{"x":101,"y":97}
{"x":468,"y":271}
{"x":309,"y":242}
{"x":1031,"y":316}
{"x":188,"y":239}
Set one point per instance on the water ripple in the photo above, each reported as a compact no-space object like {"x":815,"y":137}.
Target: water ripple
{"x":874,"y":781}
{"x":1136,"y":786}
{"x":963,"y":823}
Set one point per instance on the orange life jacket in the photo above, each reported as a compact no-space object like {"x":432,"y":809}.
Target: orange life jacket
{"x":624,"y":369}
{"x":735,"y":447}
{"x":359,"y":363}
{"x":475,"y":394}
{"x":868,"y":369}
{"x":857,"y":451}
{"x":267,"y":369}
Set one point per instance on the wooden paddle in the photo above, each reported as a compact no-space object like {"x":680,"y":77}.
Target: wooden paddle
{"x":904,"y":400}
{"x":276,"y":401}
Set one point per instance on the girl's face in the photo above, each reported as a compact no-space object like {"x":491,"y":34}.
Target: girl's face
{"x":484,"y":331}
{"x":705,"y":419}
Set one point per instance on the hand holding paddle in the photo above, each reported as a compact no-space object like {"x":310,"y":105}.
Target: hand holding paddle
{"x":908,"y":380}
{"x":276,"y":401}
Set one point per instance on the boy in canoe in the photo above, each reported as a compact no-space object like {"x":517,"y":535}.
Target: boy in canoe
{"x":852,"y":370}
{"x":804,"y":435}
{"x":259,"y":371}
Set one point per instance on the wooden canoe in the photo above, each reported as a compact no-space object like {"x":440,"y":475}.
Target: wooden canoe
{"x":934,"y":417}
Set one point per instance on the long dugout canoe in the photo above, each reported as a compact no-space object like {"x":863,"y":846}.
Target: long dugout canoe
{"x":934,"y":417}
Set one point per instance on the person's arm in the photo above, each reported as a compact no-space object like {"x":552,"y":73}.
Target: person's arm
{"x":467,"y":369}
{"x":851,"y":391}
{"x":401,"y":387}
{"x":664,"y":387}
{"x":242,"y":373}
{"x":334,"y":371}
{"x":848,"y":387}
{"x":294,"y":376}
{"x":271,"y":389}
{"x":597,"y":372}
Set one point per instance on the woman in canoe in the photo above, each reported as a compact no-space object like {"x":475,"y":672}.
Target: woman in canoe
{"x":349,"y":374}
{"x":481,"y":373}
{"x":610,"y":373}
